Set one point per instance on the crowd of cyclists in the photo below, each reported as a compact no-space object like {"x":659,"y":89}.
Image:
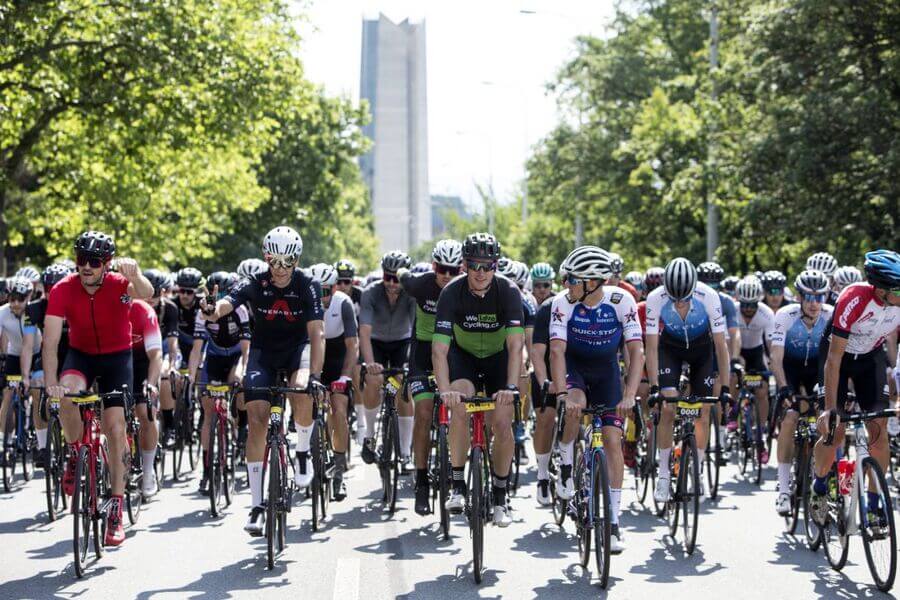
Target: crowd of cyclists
{"x":590,"y":359}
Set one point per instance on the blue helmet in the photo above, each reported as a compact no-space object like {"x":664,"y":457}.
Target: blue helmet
{"x":883,"y":269}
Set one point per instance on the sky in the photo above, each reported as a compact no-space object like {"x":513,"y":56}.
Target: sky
{"x":488,"y":65}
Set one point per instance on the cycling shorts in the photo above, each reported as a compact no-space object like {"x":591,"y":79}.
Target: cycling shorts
{"x":263,"y":367}
{"x":869,"y":375}
{"x":419,"y":368}
{"x":488,"y":374}
{"x":390,"y":355}
{"x":754,"y":359}
{"x":699,"y":359}
{"x":111,"y":372}
{"x":218,"y":365}
{"x":802,"y":375}
{"x":13,"y":367}
{"x":601,"y":383}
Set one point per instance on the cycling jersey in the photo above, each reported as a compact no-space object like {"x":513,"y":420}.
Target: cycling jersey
{"x":477,"y":324}
{"x":424,"y":290}
{"x":862,"y":319}
{"x":630,"y":289}
{"x":704,"y":317}
{"x":542,"y":328}
{"x":226,"y":333}
{"x":187,"y":320}
{"x":729,"y":309}
{"x":759,"y":330}
{"x":16,"y":328}
{"x":340,"y":323}
{"x":281,"y":314}
{"x":389,"y":322}
{"x":145,"y":334}
{"x":800,"y":342}
{"x":528,"y":310}
{"x":98,"y":323}
{"x":167,"y":315}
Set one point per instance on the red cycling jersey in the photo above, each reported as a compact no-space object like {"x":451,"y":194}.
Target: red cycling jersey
{"x":145,"y":335}
{"x":631,"y":290}
{"x":98,"y":323}
{"x":863,"y":319}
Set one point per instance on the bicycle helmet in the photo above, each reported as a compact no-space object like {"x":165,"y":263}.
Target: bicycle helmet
{"x":710,"y":273}
{"x":420,"y":267}
{"x":157,"y":279}
{"x":520,"y":273}
{"x":53,"y":275}
{"x":811,"y":282}
{"x":822,"y":261}
{"x":653,"y":278}
{"x":189,"y":278}
{"x":345,"y":269}
{"x":324,"y":273}
{"x":542,"y":272}
{"x":29,"y":273}
{"x":635,"y":278}
{"x":19,"y":285}
{"x":730,"y":283}
{"x":773,"y":280}
{"x":506,"y":267}
{"x":589,"y":262}
{"x":283,"y":241}
{"x":223,"y":279}
{"x":447,"y":252}
{"x":844,"y":276}
{"x":883,"y":269}
{"x":481,"y":246}
{"x":616,"y":264}
{"x":96,"y":244}
{"x":395,"y":260}
{"x":749,"y":290}
{"x":680,"y":278}
{"x":251,"y":266}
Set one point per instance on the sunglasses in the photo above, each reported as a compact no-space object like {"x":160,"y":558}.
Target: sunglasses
{"x":345,"y":282}
{"x":326,"y":291}
{"x":187,"y":292}
{"x":17,"y":298}
{"x":572,"y":280}
{"x":542,"y":286}
{"x":749,"y":305}
{"x":445,"y":270}
{"x":390,"y":278}
{"x":87,"y":259}
{"x":484,"y":267}
{"x":775,"y":291}
{"x":282,"y":261}
{"x":814,"y":298}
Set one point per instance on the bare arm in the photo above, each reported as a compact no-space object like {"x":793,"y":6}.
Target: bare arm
{"x":441,"y":368}
{"x":652,"y":358}
{"x":316,"y":332}
{"x":365,"y":344}
{"x":635,"y":356}
{"x":25,"y":357}
{"x":514,"y":344}
{"x":734,"y":341}
{"x":155,"y":368}
{"x":777,"y":356}
{"x":245,"y":359}
{"x":558,"y":365}
{"x":52,"y":332}
{"x":833,"y":370}
{"x":537,"y":359}
{"x":722,"y":358}
{"x":351,"y":356}
{"x":194,"y":360}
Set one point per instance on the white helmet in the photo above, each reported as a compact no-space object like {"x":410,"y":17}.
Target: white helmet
{"x":635,"y":278}
{"x":844,"y":276}
{"x":749,"y":290}
{"x":588,"y":262}
{"x":520,"y":273}
{"x":448,"y":252}
{"x":283,"y":241}
{"x":822,"y":261}
{"x":29,"y":273}
{"x":616,"y":263}
{"x":811,"y":282}
{"x":680,"y":278}
{"x":323,"y":273}
{"x":19,"y":285}
{"x":251,"y":266}
{"x":507,"y":267}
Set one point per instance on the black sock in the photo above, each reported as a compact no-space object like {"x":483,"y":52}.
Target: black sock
{"x":565,"y":473}
{"x":459,"y":479}
{"x":499,"y":491}
{"x":340,"y":464}
{"x":168,"y":418}
{"x":242,"y":418}
{"x":301,"y":458}
{"x":421,"y":478}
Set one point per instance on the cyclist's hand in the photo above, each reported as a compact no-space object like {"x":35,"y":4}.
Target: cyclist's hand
{"x":57,"y":391}
{"x":313,"y":385}
{"x":26,"y":383}
{"x":653,"y":397}
{"x":625,"y":406}
{"x":340,"y":386}
{"x":725,"y":395}
{"x":784,"y":395}
{"x":504,"y":397}
{"x":128,"y":268}
{"x":451,"y":398}
{"x":574,"y":407}
{"x":374,"y":369}
{"x":822,"y":422}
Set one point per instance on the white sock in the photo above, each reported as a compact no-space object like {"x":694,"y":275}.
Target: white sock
{"x":406,"y":435}
{"x":615,"y":500}
{"x":303,"y":436}
{"x":566,"y":450}
{"x":254,"y":470}
{"x":147,"y":457}
{"x":664,"y":454}
{"x":701,"y":456}
{"x":371,"y":416}
{"x":784,"y":477}
{"x":360,"y":425}
{"x":41,"y":437}
{"x":543,"y":464}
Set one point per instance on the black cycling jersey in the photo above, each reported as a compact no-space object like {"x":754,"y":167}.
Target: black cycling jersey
{"x":167,"y":315}
{"x":227,"y":332}
{"x":187,"y":318}
{"x":35,"y":312}
{"x":541,"y":333}
{"x":424,"y":289}
{"x":479,"y":325}
{"x":528,"y":310}
{"x":281,"y":313}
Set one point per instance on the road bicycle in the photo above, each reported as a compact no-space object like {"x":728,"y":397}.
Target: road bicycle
{"x":57,"y":457}
{"x":20,"y":440}
{"x":322,"y":456}
{"x":220,"y":456}
{"x":389,"y":432}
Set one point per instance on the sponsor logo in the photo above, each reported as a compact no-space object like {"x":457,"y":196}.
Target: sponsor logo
{"x":709,"y":381}
{"x":281,"y":308}
{"x":557,"y":315}
{"x":615,"y":297}
{"x":631,"y":317}
{"x":125,"y":299}
{"x":443,"y":324}
{"x":865,"y":317}
{"x":487,"y":318}
{"x":845,"y":316}
{"x":582,"y":311}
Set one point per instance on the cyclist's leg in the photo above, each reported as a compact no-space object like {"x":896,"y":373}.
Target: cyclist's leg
{"x":405,"y":408}
{"x":115,"y":371}
{"x":166,"y":399}
{"x":4,"y":412}
{"x":40,"y":425}
{"x":670,"y":362}
{"x":870,"y":381}
{"x":703,"y":377}
{"x":260,"y":374}
{"x":545,"y":420}
{"x":301,"y":409}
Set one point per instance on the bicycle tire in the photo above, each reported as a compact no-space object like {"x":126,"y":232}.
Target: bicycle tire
{"x":10,"y":455}
{"x":601,"y":517}
{"x":29,"y":451}
{"x":315,"y":487}
{"x":583,"y":527}
{"x":659,"y":508}
{"x":192,"y":442}
{"x":797,"y":483}
{"x":214,"y":467}
{"x":325,"y":459}
{"x":713,"y":456}
{"x":812,"y":531}
{"x":133,"y":497}
{"x":675,"y":487}
{"x":558,"y":505}
{"x":444,"y":483}
{"x":758,"y":445}
{"x":872,"y":472}
{"x":81,"y":511}
{"x":642,"y":474}
{"x":836,"y":545}
{"x":690,"y":494}
{"x":52,"y":488}
{"x":513,"y":482}
{"x":226,"y":455}
{"x":476,"y":513}
{"x":275,"y":475}
{"x":102,"y":492}
{"x":179,"y":442}
{"x":743,"y":442}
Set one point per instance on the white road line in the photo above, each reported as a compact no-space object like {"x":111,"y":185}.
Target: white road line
{"x":346,"y":579}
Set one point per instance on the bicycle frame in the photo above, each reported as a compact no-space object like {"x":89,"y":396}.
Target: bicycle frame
{"x":90,"y":437}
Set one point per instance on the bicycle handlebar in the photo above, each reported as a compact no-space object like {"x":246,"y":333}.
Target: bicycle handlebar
{"x":657,"y":399}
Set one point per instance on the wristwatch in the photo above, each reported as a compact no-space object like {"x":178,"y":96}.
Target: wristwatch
{"x":512,"y":388}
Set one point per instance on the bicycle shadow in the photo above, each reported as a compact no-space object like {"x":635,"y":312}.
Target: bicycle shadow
{"x":56,"y":550}
{"x":414,"y":544}
{"x":548,"y":541}
{"x":193,"y":519}
{"x":248,"y":575}
{"x":26,"y":525}
{"x":48,"y":584}
{"x":669,"y":563}
{"x":459,"y":586}
{"x":793,"y":551}
{"x":579,"y":582}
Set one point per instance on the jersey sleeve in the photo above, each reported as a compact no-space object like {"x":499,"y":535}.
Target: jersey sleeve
{"x":528,"y":313}
{"x":313,"y":301}
{"x":242,"y":293}
{"x":542,"y":325}
{"x":152,"y":336}
{"x":783,"y":322}
{"x":170,"y":321}
{"x":243,"y":316}
{"x":653,"y":308}
{"x":348,"y":317}
{"x":713,"y":305}
{"x":200,"y":332}
{"x":443,"y":319}
{"x":849,"y":308}
{"x":511,"y":309}
{"x":56,"y":302}
{"x":769,"y":327}
{"x":560,"y":311}
{"x":631,"y":326}
{"x":367,"y":307}
{"x":730,"y":312}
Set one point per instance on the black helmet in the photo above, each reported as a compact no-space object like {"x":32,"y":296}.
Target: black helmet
{"x":729,"y":284}
{"x":345,"y":269}
{"x":157,"y":279}
{"x":52,"y":275}
{"x":481,"y":246}
{"x":653,"y":278}
{"x":223,"y":279}
{"x":395,"y":260}
{"x":189,"y":278}
{"x":773,"y":280}
{"x":95,"y":243}
{"x":710,"y":273}
{"x":3,"y":287}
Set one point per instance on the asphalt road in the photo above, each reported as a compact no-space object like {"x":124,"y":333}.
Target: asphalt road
{"x":178,"y":550}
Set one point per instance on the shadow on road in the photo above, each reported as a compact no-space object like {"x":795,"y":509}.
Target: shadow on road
{"x":249,"y":574}
{"x":670,"y":564}
{"x":460,"y":586}
{"x":548,"y":541}
{"x":414,"y":544}
{"x":578,"y":583}
{"x":47,"y":584}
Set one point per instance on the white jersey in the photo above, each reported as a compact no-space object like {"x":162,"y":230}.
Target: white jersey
{"x":595,"y":332}
{"x":759,"y":329}
{"x":340,"y":321}
{"x":15,"y":330}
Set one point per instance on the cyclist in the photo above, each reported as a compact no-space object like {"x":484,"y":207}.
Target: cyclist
{"x":865,"y":320}
{"x":822,"y":261}
{"x":519,"y":275}
{"x":843,"y":277}
{"x":618,"y":266}
{"x":774,"y":283}
{"x":167,"y":317}
{"x":542,"y":277}
{"x":636,"y":279}
{"x":386,"y":317}
{"x":227,"y":345}
{"x":249,"y":267}
{"x":23,"y":347}
{"x":586,"y":330}
{"x":341,"y":355}
{"x":685,"y":325}
{"x":34,"y":277}
{"x":288,"y":315}
{"x":97,"y":305}
{"x":478,"y":340}
{"x":146,"y":356}
{"x":729,"y":284}
{"x":795,"y":363}
{"x":346,"y":271}
{"x":757,"y":324}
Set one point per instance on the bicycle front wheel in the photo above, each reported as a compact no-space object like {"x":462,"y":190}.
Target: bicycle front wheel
{"x":81,"y":511}
{"x":601,"y":516}
{"x":272,"y":505}
{"x":477,"y":512}
{"x":713,"y":454}
{"x":690,"y":494}
{"x":877,"y":525}
{"x":317,"y":486}
{"x":795,"y":491}
{"x":53,"y":469}
{"x":213,"y":467}
{"x":444,"y":475}
{"x":813,"y":531}
{"x":583,"y":526}
{"x":834,"y":534}
{"x":133,"y":497}
{"x":758,"y":443}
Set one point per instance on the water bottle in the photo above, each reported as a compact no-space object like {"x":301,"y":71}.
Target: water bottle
{"x":845,"y":475}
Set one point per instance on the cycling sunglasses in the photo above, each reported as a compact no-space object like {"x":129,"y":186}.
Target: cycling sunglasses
{"x":445,"y":270}
{"x":82,"y":259}
{"x":390,"y":277}
{"x":895,"y":293}
{"x":326,"y":291}
{"x":187,"y":292}
{"x":17,"y":297}
{"x":775,"y":291}
{"x":345,"y":282}
{"x":749,"y":305}
{"x":476,"y":265}
{"x":572,"y":280}
{"x":542,"y":286}
{"x":814,"y":298}
{"x":283,"y":261}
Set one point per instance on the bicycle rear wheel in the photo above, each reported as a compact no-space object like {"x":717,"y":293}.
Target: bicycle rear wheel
{"x":642,"y":472}
{"x":213,"y":468}
{"x":81,"y":511}
{"x":759,"y":441}
{"x":101,"y":492}
{"x":134,"y":499}
{"x":834,"y":534}
{"x":583,"y":526}
{"x":690,"y":494}
{"x":390,"y":455}
{"x":713,"y":457}
{"x":878,"y":533}
{"x":444,"y":483}
{"x":513,"y":483}
{"x":274,"y":499}
{"x":812,"y":530}
{"x":52,"y":470}
{"x":317,"y":484}
{"x":226,"y":458}
{"x":600,"y":516}
{"x":477,"y":512}
{"x":676,"y":485}
{"x":29,"y":452}
{"x":796,"y":488}
{"x":560,"y":506}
